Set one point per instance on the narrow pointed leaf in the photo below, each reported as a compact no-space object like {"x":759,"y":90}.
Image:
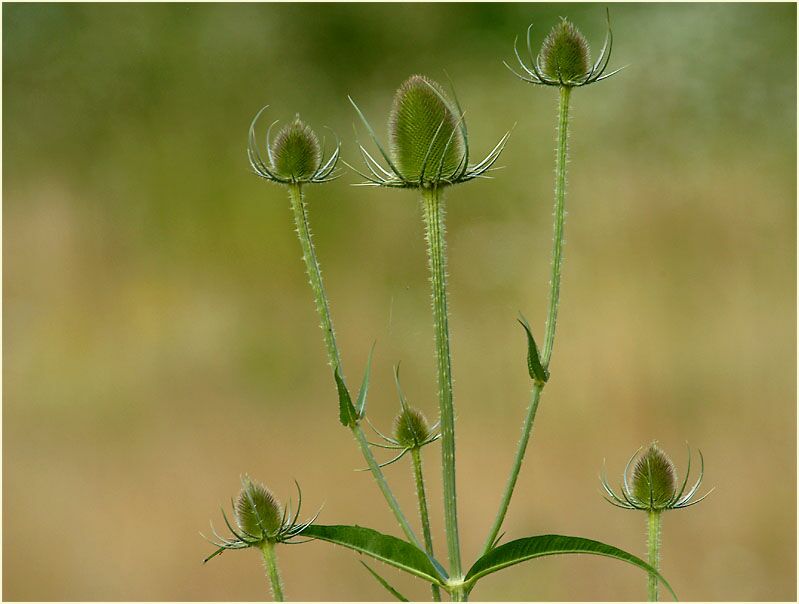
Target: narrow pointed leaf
{"x":388,"y":549}
{"x":346,"y":410}
{"x":521,"y":550}
{"x":537,"y":371}
{"x":360,"y":404}
{"x":385,"y":584}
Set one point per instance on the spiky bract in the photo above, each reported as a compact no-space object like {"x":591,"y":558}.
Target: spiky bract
{"x":565,"y":54}
{"x":564,"y":58}
{"x":424,"y":137}
{"x":411,"y":428}
{"x":295,"y":153}
{"x":654,"y":483}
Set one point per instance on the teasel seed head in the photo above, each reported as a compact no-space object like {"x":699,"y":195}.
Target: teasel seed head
{"x":424,"y":134}
{"x":654,"y":478}
{"x":259,"y":518}
{"x":411,"y":428}
{"x":564,"y":59}
{"x":428,"y":142}
{"x":565,"y":54}
{"x":258,"y":512}
{"x":293,"y":157}
{"x":654,"y":483}
{"x":295,"y":152}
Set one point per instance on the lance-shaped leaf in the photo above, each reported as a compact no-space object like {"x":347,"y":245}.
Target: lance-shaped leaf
{"x":360,"y":403}
{"x":388,"y":549}
{"x":537,"y":372}
{"x":385,"y":583}
{"x":521,"y":550}
{"x":346,"y":410}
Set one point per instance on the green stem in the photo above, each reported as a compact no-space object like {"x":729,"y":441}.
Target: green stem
{"x":653,"y":547}
{"x":434,"y":223}
{"x":270,"y":563}
{"x":561,"y":159}
{"x":416,"y":456}
{"x":323,"y":308}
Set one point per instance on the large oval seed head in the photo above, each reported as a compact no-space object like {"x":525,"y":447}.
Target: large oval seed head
{"x":654,"y":479}
{"x":258,"y":512}
{"x":565,"y":55}
{"x":295,"y":152}
{"x":411,"y":428}
{"x":425,"y":137}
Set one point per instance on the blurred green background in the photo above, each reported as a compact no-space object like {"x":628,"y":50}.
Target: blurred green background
{"x":160,"y":337}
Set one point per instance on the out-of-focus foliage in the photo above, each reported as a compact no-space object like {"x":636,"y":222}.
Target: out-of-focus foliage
{"x":160,"y":338}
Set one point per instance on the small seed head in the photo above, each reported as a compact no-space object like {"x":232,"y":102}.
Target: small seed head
{"x":295,"y":152}
{"x":411,"y":428}
{"x":565,"y":55}
{"x":425,"y":139}
{"x":258,"y":512}
{"x":654,"y":478}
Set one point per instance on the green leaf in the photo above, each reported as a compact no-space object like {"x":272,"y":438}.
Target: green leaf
{"x":385,"y":584}
{"x":346,"y":411}
{"x":537,"y":371}
{"x":521,"y":550}
{"x":388,"y":549}
{"x":360,"y":404}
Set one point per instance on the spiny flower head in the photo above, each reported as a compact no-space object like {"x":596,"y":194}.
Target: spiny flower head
{"x":295,"y":153}
{"x":428,"y":141}
{"x":258,"y":513}
{"x":411,"y":428}
{"x":564,"y":58}
{"x":565,"y":53}
{"x":294,"y":157}
{"x":654,"y":477}
{"x":654,"y":483}
{"x":259,"y":518}
{"x":423,"y":131}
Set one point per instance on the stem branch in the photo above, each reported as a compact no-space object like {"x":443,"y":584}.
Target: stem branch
{"x":416,"y":456}
{"x":334,"y":358}
{"x":561,"y":159}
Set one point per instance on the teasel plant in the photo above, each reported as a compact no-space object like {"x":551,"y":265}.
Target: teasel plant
{"x":428,"y":150}
{"x":261,"y":523}
{"x":652,"y":488}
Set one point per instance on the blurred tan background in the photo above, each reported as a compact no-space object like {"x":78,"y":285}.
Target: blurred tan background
{"x":160,"y":337}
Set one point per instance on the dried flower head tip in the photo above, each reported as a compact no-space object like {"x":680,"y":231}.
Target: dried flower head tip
{"x":259,"y":518}
{"x":294,"y":157}
{"x":564,"y":58}
{"x":428,"y":141}
{"x":654,"y":483}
